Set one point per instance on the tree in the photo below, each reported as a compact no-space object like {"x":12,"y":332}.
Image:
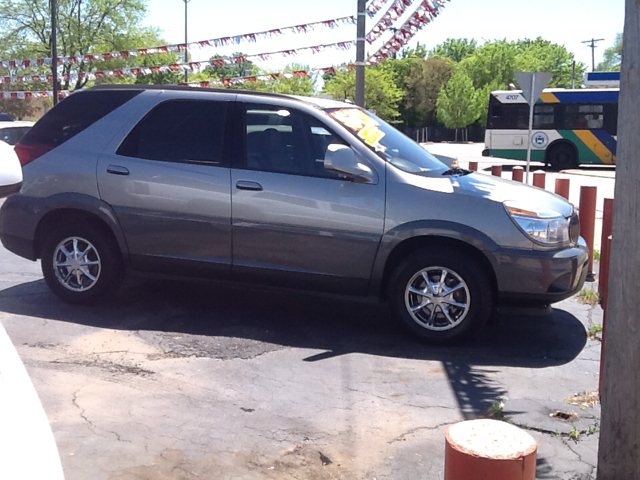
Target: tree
{"x":612,"y":56}
{"x":424,"y":82}
{"x":401,"y":66}
{"x":458,"y":102}
{"x":381,"y":93}
{"x":541,"y":55}
{"x":619,"y":455}
{"x":456,"y":49}
{"x":84,"y":26}
{"x":230,"y":70}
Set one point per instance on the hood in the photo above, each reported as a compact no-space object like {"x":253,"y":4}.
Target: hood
{"x":500,"y":190}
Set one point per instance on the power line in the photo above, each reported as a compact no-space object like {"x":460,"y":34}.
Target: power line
{"x":592,"y":45}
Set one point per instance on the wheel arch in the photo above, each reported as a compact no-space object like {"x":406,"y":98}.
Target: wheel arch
{"x":556,"y":143}
{"x":436,"y":240}
{"x":66,"y":214}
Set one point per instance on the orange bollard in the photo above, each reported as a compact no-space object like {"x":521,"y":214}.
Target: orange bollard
{"x":562,"y":187}
{"x":517,"y":174}
{"x":539,"y":179}
{"x":473,"y":166}
{"x":496,"y":170}
{"x":588,"y":221}
{"x":605,"y":253}
{"x":489,"y":450}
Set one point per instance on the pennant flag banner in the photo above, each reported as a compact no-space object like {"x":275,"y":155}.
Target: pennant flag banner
{"x":176,"y":67}
{"x":396,"y":9}
{"x":38,"y":94}
{"x":424,"y":14}
{"x":374,"y":7}
{"x":266,"y":77}
{"x":215,"y":42}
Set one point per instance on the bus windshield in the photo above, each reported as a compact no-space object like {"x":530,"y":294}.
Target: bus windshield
{"x":387,"y":142}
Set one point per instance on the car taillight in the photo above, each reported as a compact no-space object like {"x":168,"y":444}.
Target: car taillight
{"x":28,"y":153}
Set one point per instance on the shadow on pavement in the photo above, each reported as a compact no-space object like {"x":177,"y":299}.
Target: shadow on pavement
{"x":334,"y":325}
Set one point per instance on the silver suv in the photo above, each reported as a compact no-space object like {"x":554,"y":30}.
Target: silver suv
{"x":282,"y":190}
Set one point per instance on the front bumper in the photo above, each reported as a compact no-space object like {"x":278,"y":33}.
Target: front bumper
{"x":541,"y":277}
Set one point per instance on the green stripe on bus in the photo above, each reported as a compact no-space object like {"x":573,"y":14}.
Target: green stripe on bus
{"x":585,"y":154}
{"x":517,"y":154}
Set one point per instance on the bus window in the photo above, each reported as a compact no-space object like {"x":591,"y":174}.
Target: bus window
{"x":583,"y":117}
{"x":544,"y":117}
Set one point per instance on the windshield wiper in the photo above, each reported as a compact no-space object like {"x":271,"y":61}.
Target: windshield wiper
{"x":457,"y":171}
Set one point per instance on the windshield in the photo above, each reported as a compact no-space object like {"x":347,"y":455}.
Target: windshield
{"x":387,"y":142}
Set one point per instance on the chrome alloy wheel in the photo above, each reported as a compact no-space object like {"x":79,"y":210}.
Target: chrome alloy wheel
{"x":76,"y":263}
{"x":437,"y":298}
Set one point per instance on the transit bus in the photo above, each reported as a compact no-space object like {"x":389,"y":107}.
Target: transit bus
{"x":570,"y":127}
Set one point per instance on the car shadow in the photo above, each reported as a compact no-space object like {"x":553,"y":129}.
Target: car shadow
{"x":334,"y":325}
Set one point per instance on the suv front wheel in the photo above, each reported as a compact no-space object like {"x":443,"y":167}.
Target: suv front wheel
{"x":80,"y":263}
{"x":442,"y":295}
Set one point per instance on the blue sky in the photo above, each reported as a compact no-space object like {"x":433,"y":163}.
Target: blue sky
{"x":567,"y":22}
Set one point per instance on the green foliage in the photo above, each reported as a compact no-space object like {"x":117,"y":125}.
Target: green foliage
{"x":456,"y":49}
{"x":84,"y":26}
{"x":543,"y":56}
{"x":425,"y":80}
{"x":612,"y":56}
{"x":381,"y":92}
{"x":457,"y":103}
{"x":239,"y":69}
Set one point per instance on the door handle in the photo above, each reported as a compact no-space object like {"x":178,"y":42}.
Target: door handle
{"x":247,"y":185}
{"x":117,"y":170}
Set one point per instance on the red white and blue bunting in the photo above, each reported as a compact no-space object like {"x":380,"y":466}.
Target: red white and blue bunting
{"x":423,"y":15}
{"x":33,"y":94}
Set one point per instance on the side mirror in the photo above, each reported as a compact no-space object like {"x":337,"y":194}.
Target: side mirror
{"x":10,"y":170}
{"x":342,"y":159}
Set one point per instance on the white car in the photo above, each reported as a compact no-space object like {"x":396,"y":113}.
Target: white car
{"x":10,"y":170}
{"x":12,"y":132}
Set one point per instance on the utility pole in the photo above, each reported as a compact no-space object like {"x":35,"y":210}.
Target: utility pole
{"x":592,"y":45}
{"x":618,"y":453}
{"x":186,"y":45}
{"x":360,"y":39}
{"x":54,"y":49}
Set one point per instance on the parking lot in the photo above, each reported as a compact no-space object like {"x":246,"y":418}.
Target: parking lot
{"x":198,"y":380}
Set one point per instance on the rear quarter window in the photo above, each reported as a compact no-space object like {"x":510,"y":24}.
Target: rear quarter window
{"x":74,"y":114}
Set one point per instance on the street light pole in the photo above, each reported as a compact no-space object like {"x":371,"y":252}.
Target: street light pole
{"x":54,"y":49}
{"x":186,"y":45}
{"x":360,"y":52}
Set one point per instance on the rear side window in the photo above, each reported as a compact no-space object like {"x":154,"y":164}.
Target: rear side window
{"x":73,"y":114}
{"x":189,"y":131}
{"x":12,"y":135}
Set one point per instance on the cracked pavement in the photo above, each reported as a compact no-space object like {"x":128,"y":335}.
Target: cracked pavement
{"x":189,"y":381}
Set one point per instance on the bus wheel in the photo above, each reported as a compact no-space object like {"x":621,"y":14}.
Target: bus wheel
{"x":562,"y":156}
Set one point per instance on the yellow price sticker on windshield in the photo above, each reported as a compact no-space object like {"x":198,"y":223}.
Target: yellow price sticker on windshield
{"x":372,"y":135}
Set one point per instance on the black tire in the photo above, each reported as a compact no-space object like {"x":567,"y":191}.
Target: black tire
{"x":461,"y":268}
{"x":562,"y":157}
{"x":108,"y":272}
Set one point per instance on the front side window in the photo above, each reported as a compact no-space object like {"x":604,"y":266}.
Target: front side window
{"x":189,"y":131}
{"x":283,"y":140}
{"x":387,"y":142}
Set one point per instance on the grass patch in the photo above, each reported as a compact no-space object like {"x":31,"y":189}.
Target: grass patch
{"x":594,"y":330}
{"x":596,"y":255}
{"x":495,"y":411}
{"x":589,"y":296}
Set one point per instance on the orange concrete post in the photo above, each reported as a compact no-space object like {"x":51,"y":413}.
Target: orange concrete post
{"x":496,"y":170}
{"x":473,"y":166}
{"x":562,"y":187}
{"x":489,"y":450}
{"x":517,"y":174}
{"x":539,"y":179}
{"x":605,"y":253}
{"x":588,"y":221}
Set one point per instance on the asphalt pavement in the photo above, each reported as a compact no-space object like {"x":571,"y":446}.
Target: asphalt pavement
{"x":175,"y":380}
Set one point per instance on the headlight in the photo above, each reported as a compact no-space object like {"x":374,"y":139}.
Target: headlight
{"x":543,"y":226}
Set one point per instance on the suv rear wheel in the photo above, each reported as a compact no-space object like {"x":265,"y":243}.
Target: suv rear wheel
{"x":80,"y":263}
{"x":441,"y":295}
